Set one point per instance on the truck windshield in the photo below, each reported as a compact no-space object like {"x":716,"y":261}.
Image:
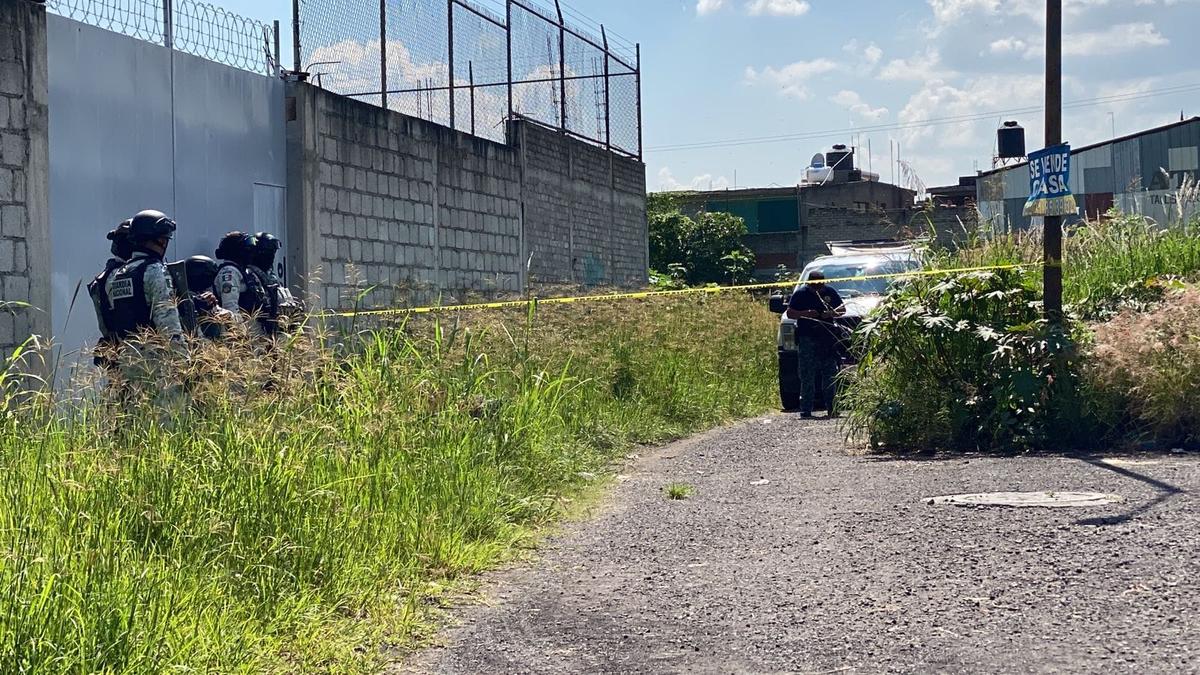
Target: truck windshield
{"x":844,"y":278}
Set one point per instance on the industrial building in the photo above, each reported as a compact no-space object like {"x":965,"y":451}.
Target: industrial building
{"x":788,"y":226}
{"x":1140,"y":173}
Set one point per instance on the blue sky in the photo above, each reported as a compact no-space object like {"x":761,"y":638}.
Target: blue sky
{"x":874,"y":72}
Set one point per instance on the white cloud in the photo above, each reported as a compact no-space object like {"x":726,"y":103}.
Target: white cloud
{"x":851,"y":101}
{"x":1008,"y":45}
{"x":778,"y":7}
{"x":920,"y":67}
{"x":1118,"y":39}
{"x":791,"y":78}
{"x":668,"y":183}
{"x":706,"y":7}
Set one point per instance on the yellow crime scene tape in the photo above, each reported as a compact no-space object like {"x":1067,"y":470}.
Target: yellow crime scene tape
{"x":657,"y":294}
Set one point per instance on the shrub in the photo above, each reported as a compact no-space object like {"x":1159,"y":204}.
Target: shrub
{"x":1148,"y":364}
{"x":962,"y":363}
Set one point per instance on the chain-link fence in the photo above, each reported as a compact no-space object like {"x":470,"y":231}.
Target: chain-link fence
{"x":473,"y":64}
{"x":192,"y":27}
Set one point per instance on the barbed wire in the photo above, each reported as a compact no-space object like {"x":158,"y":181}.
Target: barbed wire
{"x":196,"y":28}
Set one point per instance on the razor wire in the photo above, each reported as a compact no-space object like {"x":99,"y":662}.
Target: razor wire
{"x":189,"y":26}
{"x":470,"y":64}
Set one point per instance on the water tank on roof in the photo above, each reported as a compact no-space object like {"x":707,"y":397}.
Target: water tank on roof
{"x":1010,"y":141}
{"x":840,"y":158}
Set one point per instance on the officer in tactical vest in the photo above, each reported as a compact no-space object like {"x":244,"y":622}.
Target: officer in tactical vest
{"x":240,"y":287}
{"x":122,"y":251}
{"x":199,"y":308}
{"x":287,"y":310}
{"x":139,"y":295}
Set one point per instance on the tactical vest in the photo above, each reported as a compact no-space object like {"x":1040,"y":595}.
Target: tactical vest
{"x":258,"y":299}
{"x":126,"y":310}
{"x":100,"y":296}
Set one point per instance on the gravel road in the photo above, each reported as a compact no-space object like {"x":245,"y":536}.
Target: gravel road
{"x":837,"y":566}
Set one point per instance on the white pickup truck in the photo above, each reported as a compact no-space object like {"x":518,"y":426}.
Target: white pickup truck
{"x":849,"y":269}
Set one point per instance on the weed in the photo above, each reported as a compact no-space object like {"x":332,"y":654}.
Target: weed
{"x":679,"y":491}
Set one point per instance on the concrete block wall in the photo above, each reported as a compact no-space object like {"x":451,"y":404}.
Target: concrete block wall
{"x":24,"y":163}
{"x":585,"y":211}
{"x":417,"y":212}
{"x":404,"y":207}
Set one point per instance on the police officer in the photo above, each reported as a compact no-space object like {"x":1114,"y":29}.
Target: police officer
{"x":122,"y":251}
{"x":240,"y":286}
{"x":814,"y":308}
{"x":139,"y":295}
{"x":210,"y":318}
{"x":286,"y":309}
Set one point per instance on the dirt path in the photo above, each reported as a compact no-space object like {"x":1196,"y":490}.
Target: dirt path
{"x":835,"y":565}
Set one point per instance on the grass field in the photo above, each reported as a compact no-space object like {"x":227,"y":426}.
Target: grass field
{"x":302,"y":511}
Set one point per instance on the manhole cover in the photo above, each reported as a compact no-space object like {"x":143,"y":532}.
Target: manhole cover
{"x":1028,"y":499}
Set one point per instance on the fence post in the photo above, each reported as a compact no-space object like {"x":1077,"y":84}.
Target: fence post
{"x":471,"y":79}
{"x":168,"y":27}
{"x":639,"y":98}
{"x":562,"y":63}
{"x":508,"y":5}
{"x":298,"y":66}
{"x":383,"y":68}
{"x":450,"y":40}
{"x":278,"y":55}
{"x":607,"y":94}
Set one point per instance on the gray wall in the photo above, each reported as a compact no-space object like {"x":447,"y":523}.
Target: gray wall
{"x":410,"y":211}
{"x":585,"y":211}
{"x":24,"y":226}
{"x":133,"y":126}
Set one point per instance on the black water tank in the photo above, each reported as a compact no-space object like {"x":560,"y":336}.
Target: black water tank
{"x":840,"y":158}
{"x":1010,"y":140}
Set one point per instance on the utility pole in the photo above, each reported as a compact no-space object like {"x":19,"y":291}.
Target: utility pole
{"x":1052,"y":271}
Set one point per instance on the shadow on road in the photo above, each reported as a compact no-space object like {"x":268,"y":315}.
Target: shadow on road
{"x":1165,"y":492}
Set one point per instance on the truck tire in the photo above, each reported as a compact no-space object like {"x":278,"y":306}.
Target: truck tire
{"x":789,"y":380}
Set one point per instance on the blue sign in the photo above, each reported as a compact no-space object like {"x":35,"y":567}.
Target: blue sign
{"x":1050,"y":183}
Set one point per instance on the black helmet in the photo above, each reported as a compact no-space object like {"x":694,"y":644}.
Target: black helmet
{"x":151,"y":225}
{"x":266,"y":249}
{"x":238,"y":247}
{"x":201,"y":271}
{"x":121,"y":247}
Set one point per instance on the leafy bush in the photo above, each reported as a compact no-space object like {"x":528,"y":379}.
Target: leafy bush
{"x":1148,"y":364}
{"x":706,"y":249}
{"x":962,"y":363}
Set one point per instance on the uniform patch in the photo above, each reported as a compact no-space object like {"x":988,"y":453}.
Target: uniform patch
{"x":226,"y":288}
{"x":121,"y":289}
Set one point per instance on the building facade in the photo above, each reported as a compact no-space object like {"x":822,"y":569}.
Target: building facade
{"x":1140,"y":173}
{"x":789,"y":226}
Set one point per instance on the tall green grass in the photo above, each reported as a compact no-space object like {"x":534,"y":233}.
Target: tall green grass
{"x":1104,"y":261}
{"x":302,"y":510}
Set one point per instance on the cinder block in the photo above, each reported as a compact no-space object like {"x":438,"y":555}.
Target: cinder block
{"x":12,"y":78}
{"x":355,"y":250}
{"x":16,"y":288}
{"x":6,"y":258}
{"x":8,"y":338}
{"x":20,"y":258}
{"x":372,"y":228}
{"x":12,"y":147}
{"x":343,"y":249}
{"x":325,"y":222}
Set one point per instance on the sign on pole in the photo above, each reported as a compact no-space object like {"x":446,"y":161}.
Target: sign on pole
{"x":1050,"y":183}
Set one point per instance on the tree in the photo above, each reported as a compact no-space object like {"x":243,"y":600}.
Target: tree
{"x":702,"y":250}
